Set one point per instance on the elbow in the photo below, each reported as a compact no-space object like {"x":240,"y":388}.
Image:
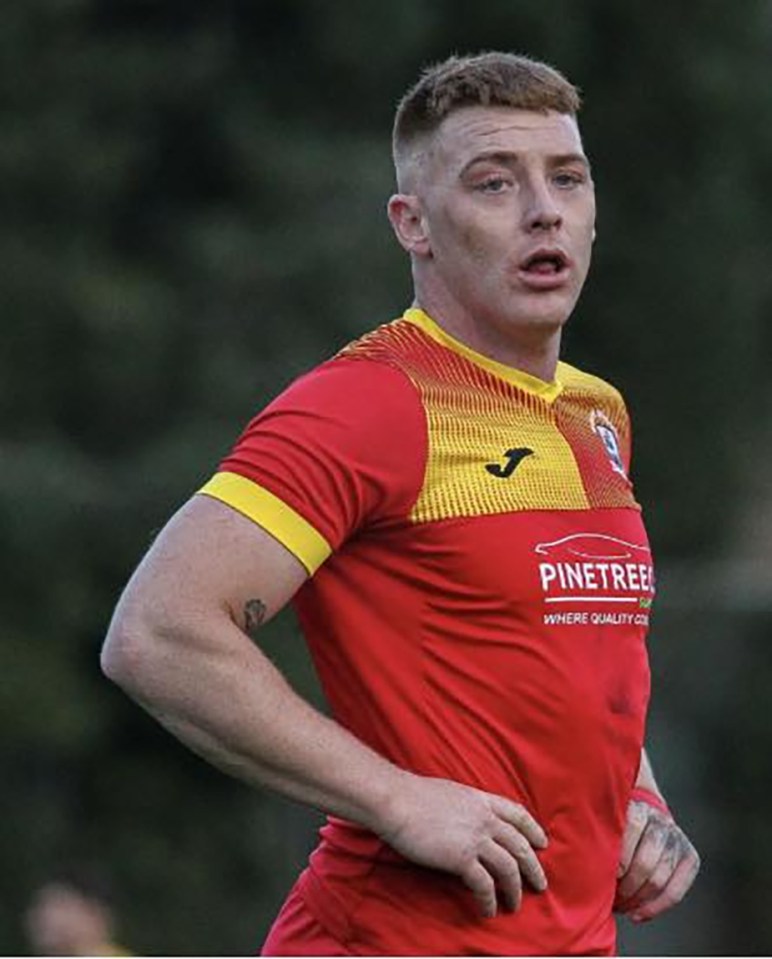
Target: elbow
{"x":126,"y":653}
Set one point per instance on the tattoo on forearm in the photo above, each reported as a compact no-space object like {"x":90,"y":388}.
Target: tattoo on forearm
{"x":254,"y":616}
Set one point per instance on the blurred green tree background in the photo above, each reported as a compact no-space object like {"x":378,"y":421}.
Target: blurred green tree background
{"x":193,"y":199}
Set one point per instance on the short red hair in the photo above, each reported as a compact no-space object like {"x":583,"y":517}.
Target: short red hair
{"x":487,"y":79}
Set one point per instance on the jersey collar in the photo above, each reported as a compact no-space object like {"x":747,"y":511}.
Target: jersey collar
{"x":524,"y":381}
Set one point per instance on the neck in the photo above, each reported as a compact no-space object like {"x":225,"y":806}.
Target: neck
{"x":534,"y":350}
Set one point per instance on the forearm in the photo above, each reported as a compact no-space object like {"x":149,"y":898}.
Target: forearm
{"x":646,"y":778}
{"x":226,"y":701}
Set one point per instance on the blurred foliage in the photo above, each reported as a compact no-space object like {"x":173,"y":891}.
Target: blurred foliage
{"x":193,"y":200}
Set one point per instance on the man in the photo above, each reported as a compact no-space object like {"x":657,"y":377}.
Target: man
{"x":71,"y":914}
{"x":449,"y":507}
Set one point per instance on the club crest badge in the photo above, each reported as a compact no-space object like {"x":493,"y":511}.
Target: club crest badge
{"x":606,"y":432}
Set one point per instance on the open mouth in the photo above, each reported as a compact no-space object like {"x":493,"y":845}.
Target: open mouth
{"x":545,"y":263}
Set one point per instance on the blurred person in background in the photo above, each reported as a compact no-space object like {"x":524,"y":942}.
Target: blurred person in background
{"x":72,"y":914}
{"x":449,"y":507}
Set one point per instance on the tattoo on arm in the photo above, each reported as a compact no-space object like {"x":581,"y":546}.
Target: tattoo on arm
{"x":254,"y":616}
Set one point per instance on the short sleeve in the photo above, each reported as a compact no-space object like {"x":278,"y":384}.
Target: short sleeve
{"x":342,"y":449}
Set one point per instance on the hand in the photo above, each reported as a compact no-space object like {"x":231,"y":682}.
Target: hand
{"x":486,"y":840}
{"x":658,"y":863}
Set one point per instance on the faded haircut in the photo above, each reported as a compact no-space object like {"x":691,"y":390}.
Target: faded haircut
{"x":488,"y":79}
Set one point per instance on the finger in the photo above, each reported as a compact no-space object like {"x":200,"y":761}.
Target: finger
{"x":505,"y":872}
{"x":637,"y":817}
{"x":645,"y":859}
{"x":518,"y":816}
{"x":677,"y":848}
{"x":633,"y":887}
{"x":679,"y":884}
{"x":528,"y":862}
{"x":479,"y":880}
{"x":653,"y":886}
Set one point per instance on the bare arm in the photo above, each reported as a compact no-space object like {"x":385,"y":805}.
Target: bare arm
{"x":182,"y":644}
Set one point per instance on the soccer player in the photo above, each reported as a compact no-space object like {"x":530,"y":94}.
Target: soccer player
{"x":449,"y":507}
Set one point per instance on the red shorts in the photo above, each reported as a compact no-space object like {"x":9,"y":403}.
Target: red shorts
{"x":295,"y":932}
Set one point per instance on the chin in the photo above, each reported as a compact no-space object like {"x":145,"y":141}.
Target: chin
{"x":548,"y":313}
{"x":544,"y":323}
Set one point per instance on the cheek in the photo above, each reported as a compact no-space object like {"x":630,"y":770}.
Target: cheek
{"x":589,"y":240}
{"x":460,"y":239}
{"x":486,"y":255}
{"x":472,"y":244}
{"x":582,"y":245}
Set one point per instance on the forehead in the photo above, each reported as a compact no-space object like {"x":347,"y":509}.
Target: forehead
{"x":472,"y":131}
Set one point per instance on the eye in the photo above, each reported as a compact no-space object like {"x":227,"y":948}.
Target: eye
{"x":494,"y":184}
{"x":567,"y":179}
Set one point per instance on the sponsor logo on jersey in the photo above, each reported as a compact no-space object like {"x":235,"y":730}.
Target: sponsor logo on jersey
{"x":605,"y":430}
{"x":597,"y":579}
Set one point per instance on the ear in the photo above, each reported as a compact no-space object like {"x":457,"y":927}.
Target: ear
{"x":407,"y":220}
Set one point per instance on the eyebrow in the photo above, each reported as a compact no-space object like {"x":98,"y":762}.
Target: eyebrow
{"x":507,"y":158}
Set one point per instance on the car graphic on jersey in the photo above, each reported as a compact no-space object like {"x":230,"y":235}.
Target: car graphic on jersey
{"x":591,"y":546}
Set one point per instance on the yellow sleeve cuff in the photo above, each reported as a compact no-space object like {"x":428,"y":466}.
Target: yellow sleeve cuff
{"x":273,"y":514}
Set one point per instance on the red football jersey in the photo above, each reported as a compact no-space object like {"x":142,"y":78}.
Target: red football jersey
{"x":477,"y":610}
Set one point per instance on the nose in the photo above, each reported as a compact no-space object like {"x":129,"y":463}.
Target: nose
{"x":541,"y":211}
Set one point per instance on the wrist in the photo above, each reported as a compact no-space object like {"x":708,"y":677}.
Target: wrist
{"x":383,"y":807}
{"x":391,"y":805}
{"x":651,"y":798}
